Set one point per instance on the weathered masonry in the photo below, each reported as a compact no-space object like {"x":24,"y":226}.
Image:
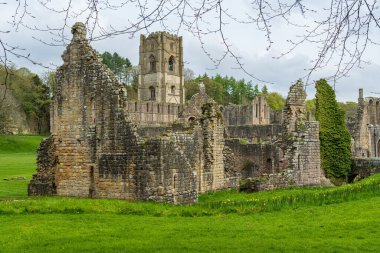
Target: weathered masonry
{"x":365,"y":132}
{"x":103,"y":146}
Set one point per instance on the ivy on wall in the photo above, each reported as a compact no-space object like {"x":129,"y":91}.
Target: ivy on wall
{"x":334,"y":136}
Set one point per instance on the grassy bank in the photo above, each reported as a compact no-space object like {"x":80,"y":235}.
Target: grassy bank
{"x":339,"y":219}
{"x":11,"y":144}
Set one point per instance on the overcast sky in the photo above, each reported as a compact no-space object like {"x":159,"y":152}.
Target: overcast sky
{"x":246,"y":41}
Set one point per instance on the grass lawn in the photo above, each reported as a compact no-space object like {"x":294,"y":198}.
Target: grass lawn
{"x":347,"y":227}
{"x":341,"y":219}
{"x":17,"y":160}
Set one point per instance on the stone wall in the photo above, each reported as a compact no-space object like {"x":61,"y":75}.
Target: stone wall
{"x":256,"y":113}
{"x":364,"y":167}
{"x":255,"y":133}
{"x":301,"y":140}
{"x":255,"y":160}
{"x":150,"y":113}
{"x":360,"y":131}
{"x":365,"y":130}
{"x":296,"y":153}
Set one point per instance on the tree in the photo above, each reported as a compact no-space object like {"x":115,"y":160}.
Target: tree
{"x":334,"y":136}
{"x":264,"y":90}
{"x":223,"y":90}
{"x":275,"y":101}
{"x":120,"y":66}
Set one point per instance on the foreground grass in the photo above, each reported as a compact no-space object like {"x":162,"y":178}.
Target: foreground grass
{"x":346,"y":227}
{"x":337,"y":219}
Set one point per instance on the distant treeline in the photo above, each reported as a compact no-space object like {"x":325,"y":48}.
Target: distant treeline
{"x":228,"y":90}
{"x":32,"y":93}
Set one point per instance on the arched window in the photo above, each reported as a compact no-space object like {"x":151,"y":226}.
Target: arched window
{"x":152,"y":63}
{"x":152,"y":92}
{"x":172,"y":89}
{"x":171,"y":63}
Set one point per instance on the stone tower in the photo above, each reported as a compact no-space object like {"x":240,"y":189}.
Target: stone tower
{"x":161,"y":76}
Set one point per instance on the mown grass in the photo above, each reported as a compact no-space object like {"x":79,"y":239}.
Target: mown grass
{"x":339,"y":219}
{"x":17,"y":163}
{"x":345,"y":227}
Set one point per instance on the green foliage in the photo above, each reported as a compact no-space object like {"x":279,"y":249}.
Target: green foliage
{"x":124,"y":71}
{"x":334,"y":136}
{"x":264,"y":90}
{"x":275,"y":101}
{"x":117,"y":64}
{"x":350,"y":109}
{"x":32,"y":94}
{"x":49,"y":80}
{"x":223,"y":90}
{"x":310,"y":107}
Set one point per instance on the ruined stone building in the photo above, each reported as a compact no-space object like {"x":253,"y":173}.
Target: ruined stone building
{"x":365,"y":132}
{"x":366,"y":129}
{"x":159,"y":147}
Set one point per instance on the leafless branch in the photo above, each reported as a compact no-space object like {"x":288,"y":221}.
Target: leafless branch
{"x":340,"y":32}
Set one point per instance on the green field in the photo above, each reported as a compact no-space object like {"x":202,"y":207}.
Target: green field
{"x":17,"y":164}
{"x":341,"y":219}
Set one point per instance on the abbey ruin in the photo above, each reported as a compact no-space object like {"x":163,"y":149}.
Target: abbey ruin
{"x":159,"y":147}
{"x":365,"y":132}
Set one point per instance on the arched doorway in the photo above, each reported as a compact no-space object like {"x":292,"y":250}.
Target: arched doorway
{"x":378,"y":148}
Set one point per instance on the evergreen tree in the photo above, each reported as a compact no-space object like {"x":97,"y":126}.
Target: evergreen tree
{"x":334,"y":136}
{"x":264,"y":90}
{"x":223,"y":90}
{"x":117,"y":64}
